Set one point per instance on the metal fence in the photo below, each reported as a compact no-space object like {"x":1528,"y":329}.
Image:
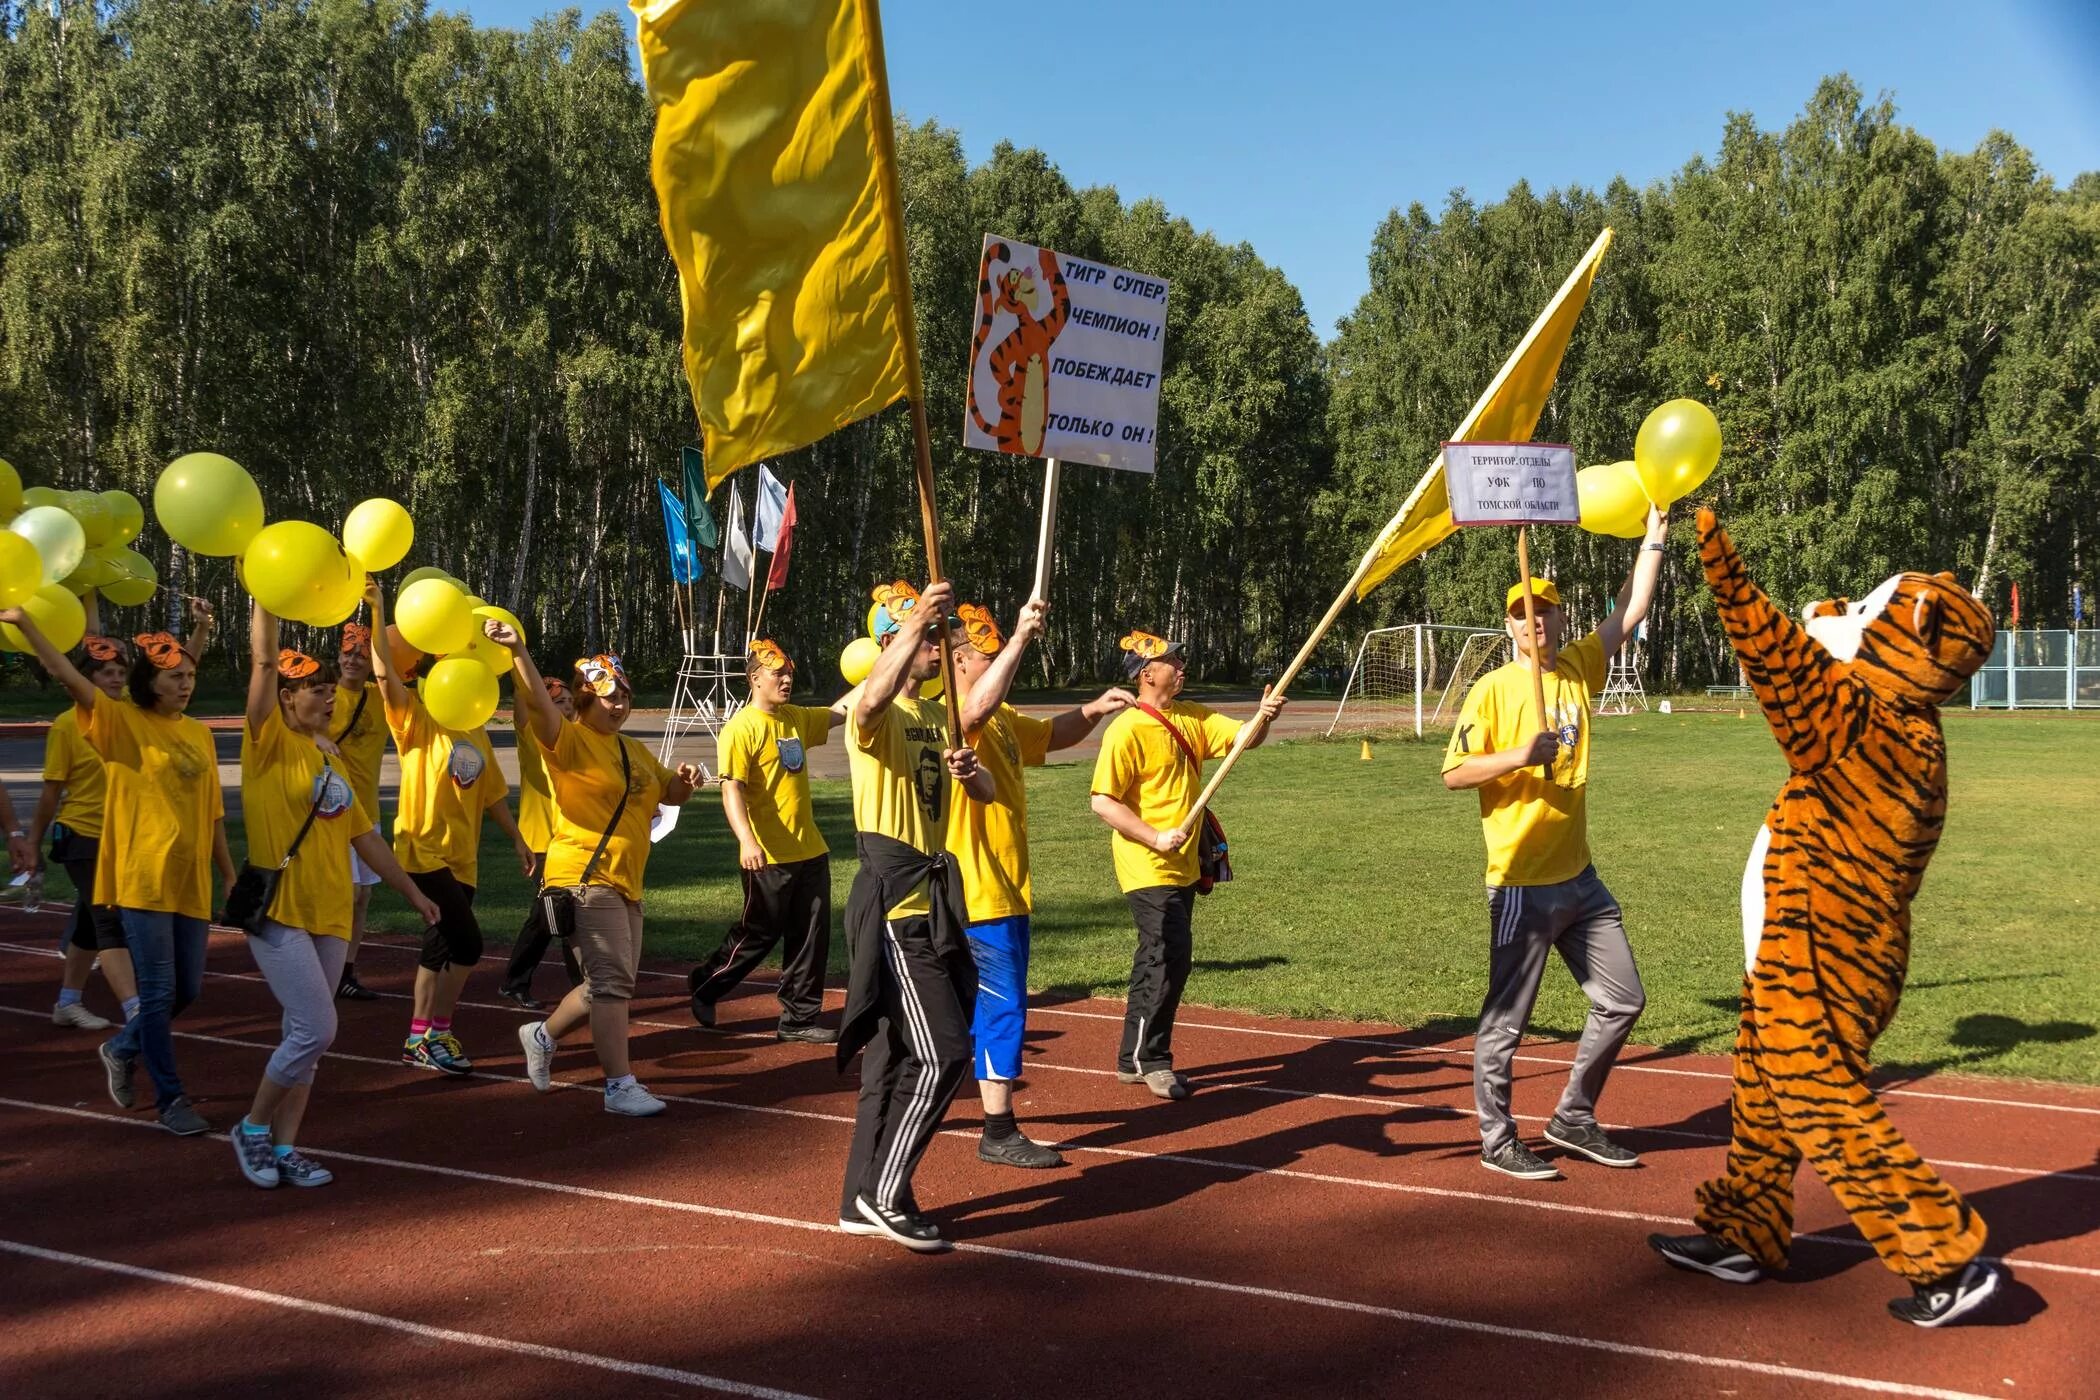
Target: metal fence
{"x":2039,"y":670}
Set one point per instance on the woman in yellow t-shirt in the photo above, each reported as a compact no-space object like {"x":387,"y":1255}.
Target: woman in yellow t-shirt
{"x":290,"y":786}
{"x":606,"y":789}
{"x":165,"y":820}
{"x":449,"y":782}
{"x":70,"y":808}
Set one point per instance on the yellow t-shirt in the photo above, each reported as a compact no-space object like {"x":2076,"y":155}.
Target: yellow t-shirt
{"x":535,"y":793}
{"x":900,"y":783}
{"x":768,"y":755}
{"x":448,"y":780}
{"x":164,"y":800}
{"x":1142,"y":767}
{"x":281,"y":774}
{"x":363,"y":743}
{"x":1535,"y":824}
{"x":69,"y":760}
{"x":584,"y":769}
{"x":989,"y":840}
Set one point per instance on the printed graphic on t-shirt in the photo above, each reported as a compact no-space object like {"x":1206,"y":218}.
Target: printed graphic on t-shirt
{"x":790,"y":753}
{"x":330,"y":794}
{"x":185,"y":762}
{"x":930,"y":777}
{"x":465,"y":764}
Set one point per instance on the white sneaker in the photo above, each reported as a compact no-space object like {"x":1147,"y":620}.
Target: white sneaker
{"x":539,"y":1058}
{"x":633,"y":1101}
{"x":78,"y":1017}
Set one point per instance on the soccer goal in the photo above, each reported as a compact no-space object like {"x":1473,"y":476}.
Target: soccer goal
{"x":1414,"y":676}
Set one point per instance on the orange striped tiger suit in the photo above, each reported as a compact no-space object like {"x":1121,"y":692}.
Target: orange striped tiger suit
{"x":1852,"y":697}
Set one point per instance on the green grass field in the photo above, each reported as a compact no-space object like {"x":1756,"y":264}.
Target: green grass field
{"x":1359,"y":891}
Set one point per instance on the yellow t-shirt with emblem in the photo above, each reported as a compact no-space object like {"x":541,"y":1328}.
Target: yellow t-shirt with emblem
{"x":989,"y":840}
{"x":584,"y":770}
{"x":163,"y":798}
{"x":768,"y":755}
{"x":535,"y":793}
{"x":900,"y":783}
{"x":1535,"y":823}
{"x":448,"y":780}
{"x":281,"y":775}
{"x":363,"y":743}
{"x":68,"y":759}
{"x":1142,"y":767}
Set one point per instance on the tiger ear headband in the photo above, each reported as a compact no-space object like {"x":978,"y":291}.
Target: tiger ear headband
{"x":161,"y":649}
{"x":980,"y":630}
{"x":602,"y":674}
{"x":767,"y":654}
{"x":296,"y":666}
{"x":103,"y":649}
{"x":1144,"y":644}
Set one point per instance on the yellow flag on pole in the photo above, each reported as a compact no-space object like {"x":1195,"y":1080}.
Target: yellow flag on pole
{"x":1507,"y":412}
{"x":776,"y":184}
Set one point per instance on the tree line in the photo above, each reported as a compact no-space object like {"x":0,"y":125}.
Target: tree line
{"x":367,"y":249}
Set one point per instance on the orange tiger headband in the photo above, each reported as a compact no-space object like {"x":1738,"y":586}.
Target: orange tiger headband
{"x":602,"y":674}
{"x":767,"y":653}
{"x":981,"y":631}
{"x":357,"y":638}
{"x":162,"y":650}
{"x":1142,"y":648}
{"x":296,"y":665}
{"x":892,"y":602}
{"x":555,"y":689}
{"x":101,"y":649}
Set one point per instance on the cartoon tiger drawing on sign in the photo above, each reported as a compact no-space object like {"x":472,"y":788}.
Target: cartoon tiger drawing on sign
{"x":1852,"y":694}
{"x":1019,"y":366}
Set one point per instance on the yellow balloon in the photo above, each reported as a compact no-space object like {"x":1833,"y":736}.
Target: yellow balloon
{"x":59,"y":616}
{"x":434,"y":617}
{"x":338,"y":598}
{"x":873,"y":608}
{"x":21,"y":570}
{"x":1678,"y":445}
{"x":1612,"y":501}
{"x":379,"y":532}
{"x":42,"y":496}
{"x":135,"y":581}
{"x":858,"y":659}
{"x":10,"y":488}
{"x":96,"y":569}
{"x":933,"y":689}
{"x":92,"y":512}
{"x":459,"y":692}
{"x":416,"y":576}
{"x":126,"y":516}
{"x":490,"y":612}
{"x":293,"y":567}
{"x":57,"y":536}
{"x":208,"y":504}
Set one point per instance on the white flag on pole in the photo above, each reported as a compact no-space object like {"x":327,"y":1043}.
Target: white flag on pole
{"x":772,"y":502}
{"x":736,"y":546}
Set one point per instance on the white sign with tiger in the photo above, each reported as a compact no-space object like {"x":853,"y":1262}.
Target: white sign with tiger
{"x":1065,"y":358}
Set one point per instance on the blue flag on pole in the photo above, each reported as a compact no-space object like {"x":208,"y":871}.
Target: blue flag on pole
{"x":685,"y":562}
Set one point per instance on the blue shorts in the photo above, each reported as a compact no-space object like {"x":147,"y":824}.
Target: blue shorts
{"x":1001,"y":949}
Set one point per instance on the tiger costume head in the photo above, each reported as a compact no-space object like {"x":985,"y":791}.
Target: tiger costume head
{"x":1912,"y":641}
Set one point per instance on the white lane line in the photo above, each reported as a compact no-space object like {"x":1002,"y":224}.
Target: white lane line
{"x":1221,"y":1164}
{"x":1060,"y":1261}
{"x":1393,"y":1105}
{"x":418,"y":1330}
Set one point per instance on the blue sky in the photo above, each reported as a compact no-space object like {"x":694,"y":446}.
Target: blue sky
{"x":1296,"y":126}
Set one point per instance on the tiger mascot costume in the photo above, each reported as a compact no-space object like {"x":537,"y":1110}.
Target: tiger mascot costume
{"x":1852,"y":697}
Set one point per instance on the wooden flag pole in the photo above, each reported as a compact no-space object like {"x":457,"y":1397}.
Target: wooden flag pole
{"x":1046,"y":536}
{"x":1538,"y":679}
{"x":764,"y":599}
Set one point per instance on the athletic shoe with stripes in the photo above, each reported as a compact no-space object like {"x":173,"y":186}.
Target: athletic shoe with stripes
{"x":455,"y":1052}
{"x":430,"y":1053}
{"x":539,"y":1055}
{"x":1517,"y":1160}
{"x":297,"y":1169}
{"x":1588,"y":1140}
{"x":1937,"y":1304}
{"x":1704,"y":1254}
{"x":915,"y":1232}
{"x":257,"y":1157}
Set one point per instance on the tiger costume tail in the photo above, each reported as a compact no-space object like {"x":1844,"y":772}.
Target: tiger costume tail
{"x":1827,"y":911}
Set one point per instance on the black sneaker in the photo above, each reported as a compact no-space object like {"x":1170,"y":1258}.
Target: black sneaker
{"x":181,"y":1119}
{"x":808,"y":1035}
{"x":704,"y":1013}
{"x":519,"y":996}
{"x":1937,"y":1304}
{"x":1519,"y":1161}
{"x":117,"y":1071}
{"x":1704,"y":1254}
{"x":1018,"y":1151}
{"x":350,"y":989}
{"x":913,"y":1231}
{"x":1588,"y":1140}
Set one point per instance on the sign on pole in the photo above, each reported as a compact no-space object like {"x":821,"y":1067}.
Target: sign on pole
{"x":1511,"y":483}
{"x":1065,"y":358}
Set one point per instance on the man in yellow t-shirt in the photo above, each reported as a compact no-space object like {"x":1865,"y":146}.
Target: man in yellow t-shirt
{"x":1146,"y":781}
{"x":989,"y":841}
{"x":536,"y":826}
{"x":762,"y":757}
{"x":358,"y":730}
{"x":1532,"y":774}
{"x":910,"y":981}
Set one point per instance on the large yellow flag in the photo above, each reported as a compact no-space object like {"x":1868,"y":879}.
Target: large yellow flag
{"x":775,"y":176}
{"x":1507,"y":412}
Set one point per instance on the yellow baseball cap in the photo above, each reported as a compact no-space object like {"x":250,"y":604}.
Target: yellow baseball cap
{"x":1542,"y":591}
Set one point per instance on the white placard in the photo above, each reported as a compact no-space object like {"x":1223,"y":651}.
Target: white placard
{"x":1065,"y":357}
{"x":1511,"y":483}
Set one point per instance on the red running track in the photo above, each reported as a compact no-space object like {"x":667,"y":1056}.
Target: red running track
{"x":1312,"y":1222}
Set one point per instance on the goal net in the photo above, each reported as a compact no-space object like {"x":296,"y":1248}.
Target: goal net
{"x":1414,"y":677}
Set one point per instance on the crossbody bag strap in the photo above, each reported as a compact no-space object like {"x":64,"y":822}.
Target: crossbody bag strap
{"x":308,"y":825}
{"x":626,"y":782}
{"x":357,"y":713}
{"x":1179,"y":742}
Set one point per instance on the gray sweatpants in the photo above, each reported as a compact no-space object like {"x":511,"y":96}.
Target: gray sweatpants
{"x":303,"y":970}
{"x":1580,"y":918}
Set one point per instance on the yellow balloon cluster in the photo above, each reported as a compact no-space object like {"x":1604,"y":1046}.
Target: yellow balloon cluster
{"x":76,"y":540}
{"x":1677,"y":448}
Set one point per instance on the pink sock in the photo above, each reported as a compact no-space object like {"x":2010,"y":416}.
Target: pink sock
{"x":440,"y":1025}
{"x":418,"y":1029}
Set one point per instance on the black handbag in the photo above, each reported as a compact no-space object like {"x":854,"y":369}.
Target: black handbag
{"x":560,"y":904}
{"x":255,"y":889}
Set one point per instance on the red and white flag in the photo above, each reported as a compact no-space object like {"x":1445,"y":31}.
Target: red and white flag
{"x":783,"y":541}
